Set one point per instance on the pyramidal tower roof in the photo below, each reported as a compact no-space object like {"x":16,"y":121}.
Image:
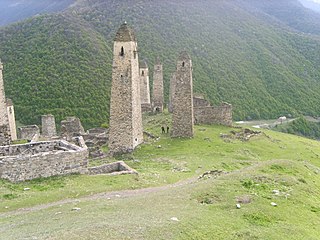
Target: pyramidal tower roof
{"x":125,"y":34}
{"x":184,"y":56}
{"x":143,"y":64}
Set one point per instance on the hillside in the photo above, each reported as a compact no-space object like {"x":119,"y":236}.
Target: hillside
{"x":241,"y":54}
{"x":168,"y":200}
{"x":17,"y":10}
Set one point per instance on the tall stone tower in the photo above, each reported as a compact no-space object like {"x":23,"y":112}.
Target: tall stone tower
{"x":144,"y":87}
{"x":5,"y":137}
{"x":172,"y":91}
{"x":158,"y":99}
{"x":182,"y":117}
{"x":125,"y":131}
{"x":48,"y":125}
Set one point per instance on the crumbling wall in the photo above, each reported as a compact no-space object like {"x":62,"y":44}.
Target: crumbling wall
{"x":48,"y":125}
{"x":71,"y":127}
{"x":28,"y":132}
{"x":5,"y":137}
{"x":214,"y":114}
{"x":43,"y":159}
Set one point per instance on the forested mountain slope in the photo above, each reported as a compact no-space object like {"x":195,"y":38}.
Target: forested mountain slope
{"x":241,"y":54}
{"x":17,"y":10}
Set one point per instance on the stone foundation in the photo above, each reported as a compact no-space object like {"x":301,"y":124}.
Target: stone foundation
{"x":5,"y":138}
{"x":42,"y":159}
{"x":115,"y":168}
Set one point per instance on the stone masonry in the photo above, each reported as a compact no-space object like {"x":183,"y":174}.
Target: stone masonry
{"x":42,"y":159}
{"x":157,"y":97}
{"x":71,"y":127}
{"x":172,"y":91}
{"x":5,"y":136}
{"x":11,"y":119}
{"x":30,"y":132}
{"x":125,"y":131}
{"x":182,"y":117}
{"x":214,"y":114}
{"x":48,"y":126}
{"x":144,"y":87}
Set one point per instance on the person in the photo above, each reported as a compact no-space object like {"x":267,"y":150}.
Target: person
{"x":163,"y":130}
{"x":168,"y":129}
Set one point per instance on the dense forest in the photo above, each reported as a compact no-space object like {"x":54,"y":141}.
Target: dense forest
{"x":243,"y":53}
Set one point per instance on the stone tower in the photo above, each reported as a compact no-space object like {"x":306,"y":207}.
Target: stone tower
{"x":11,"y":119}
{"x":182,"y":117}
{"x":125,"y":132}
{"x":144,"y":87}
{"x":5,"y":137}
{"x":157,"y":98}
{"x":48,"y":124}
{"x":172,"y":91}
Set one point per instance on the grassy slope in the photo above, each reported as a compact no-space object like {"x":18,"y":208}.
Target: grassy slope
{"x":205,"y":208}
{"x":64,"y":61}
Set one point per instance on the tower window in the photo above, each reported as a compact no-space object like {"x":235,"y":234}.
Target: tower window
{"x":142,"y":73}
{"x":135,"y":54}
{"x":182,"y":64}
{"x":122,"y":52}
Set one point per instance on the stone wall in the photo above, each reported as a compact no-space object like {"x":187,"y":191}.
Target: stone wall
{"x":5,"y":135}
{"x":11,"y":119}
{"x":182,"y":117}
{"x":43,"y":159}
{"x":144,"y":88}
{"x":48,"y":125}
{"x":28,"y":132}
{"x":200,"y":102}
{"x":71,"y":127}
{"x":5,"y":138}
{"x":125,"y":132}
{"x":214,"y":114}
{"x":112,"y":168}
{"x":157,"y":97}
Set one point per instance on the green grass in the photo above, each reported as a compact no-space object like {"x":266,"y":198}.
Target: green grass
{"x":205,"y":208}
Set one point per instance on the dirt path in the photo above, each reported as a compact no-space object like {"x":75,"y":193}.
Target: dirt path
{"x":130,"y":193}
{"x":105,"y":195}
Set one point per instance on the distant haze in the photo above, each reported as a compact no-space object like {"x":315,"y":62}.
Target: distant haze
{"x":311,"y":4}
{"x":17,"y":10}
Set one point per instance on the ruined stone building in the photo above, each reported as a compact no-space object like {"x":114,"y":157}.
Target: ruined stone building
{"x":171,"y":93}
{"x":5,"y":134}
{"x":182,"y":117}
{"x":48,"y":126}
{"x":71,"y":127}
{"x":144,"y":87}
{"x":157,"y":97}
{"x":125,"y":126}
{"x":204,"y":113}
{"x":29,"y":132}
{"x":11,"y":119}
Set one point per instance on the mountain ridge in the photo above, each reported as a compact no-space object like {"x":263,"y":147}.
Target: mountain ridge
{"x":264,"y":68}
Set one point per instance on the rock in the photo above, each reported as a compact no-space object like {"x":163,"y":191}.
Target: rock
{"x":238,"y":206}
{"x":276,"y":192}
{"x":159,"y":146}
{"x":26,"y":189}
{"x":57,"y":213}
{"x":6,"y":207}
{"x":274,"y":204}
{"x":75,"y":209}
{"x":174,"y":219}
